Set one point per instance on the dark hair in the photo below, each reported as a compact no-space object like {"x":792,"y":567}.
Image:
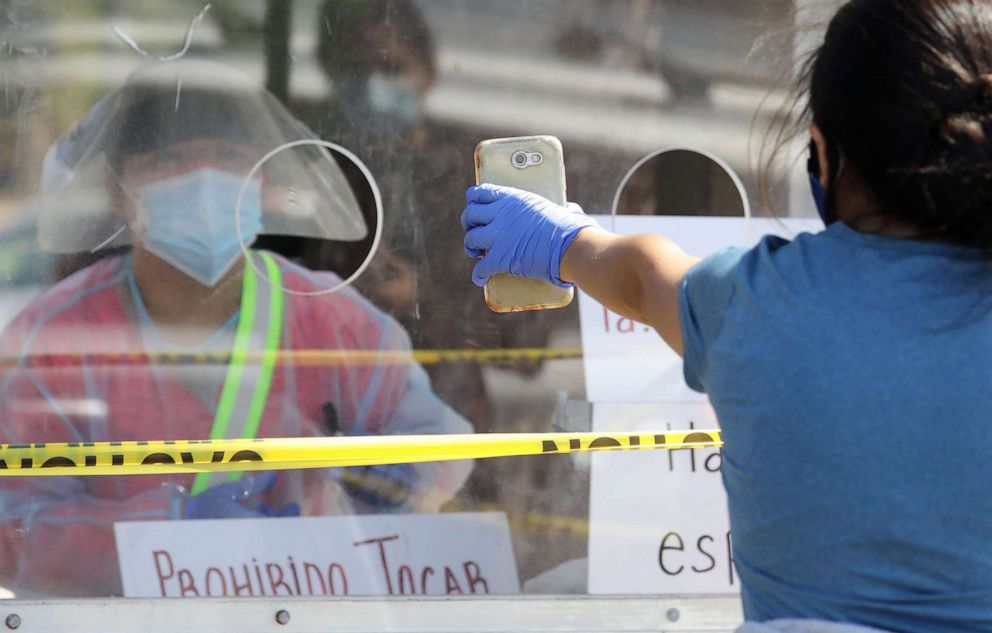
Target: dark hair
{"x":350,"y":31}
{"x":149,"y":116}
{"x":903,"y":90}
{"x":156,"y":120}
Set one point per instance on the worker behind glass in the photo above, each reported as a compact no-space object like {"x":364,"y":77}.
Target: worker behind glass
{"x":157,"y":179}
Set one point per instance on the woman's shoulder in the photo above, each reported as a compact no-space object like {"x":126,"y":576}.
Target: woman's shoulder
{"x":776,"y":269}
{"x":773,"y":255}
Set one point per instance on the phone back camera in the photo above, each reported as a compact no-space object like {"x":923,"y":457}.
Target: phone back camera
{"x":523,"y":160}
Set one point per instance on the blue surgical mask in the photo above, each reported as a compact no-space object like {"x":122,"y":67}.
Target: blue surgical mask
{"x":819,"y":196}
{"x":189,"y":221}
{"x":817,"y":188}
{"x":381,"y":106}
{"x":393,"y":96}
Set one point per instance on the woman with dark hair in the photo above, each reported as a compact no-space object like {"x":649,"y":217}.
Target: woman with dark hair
{"x":838,"y":363}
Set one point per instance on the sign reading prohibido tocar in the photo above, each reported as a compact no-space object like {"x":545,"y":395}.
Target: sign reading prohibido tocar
{"x":421,"y":554}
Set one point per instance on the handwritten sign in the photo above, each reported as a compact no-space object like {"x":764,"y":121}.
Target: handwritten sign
{"x":428,"y":554}
{"x":658,"y":523}
{"x":626,"y":361}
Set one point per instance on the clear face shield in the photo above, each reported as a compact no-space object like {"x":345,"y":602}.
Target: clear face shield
{"x":171,"y":161}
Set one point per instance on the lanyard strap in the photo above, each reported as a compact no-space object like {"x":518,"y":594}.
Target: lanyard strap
{"x":235,"y":394}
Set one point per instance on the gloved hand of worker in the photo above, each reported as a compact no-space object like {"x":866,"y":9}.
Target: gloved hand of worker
{"x":519,"y":233}
{"x":237,"y":500}
{"x":383,"y":487}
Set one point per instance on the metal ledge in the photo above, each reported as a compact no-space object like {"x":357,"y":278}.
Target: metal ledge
{"x":379,"y":615}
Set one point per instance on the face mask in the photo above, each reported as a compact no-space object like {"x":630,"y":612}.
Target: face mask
{"x":189,"y":221}
{"x":380,"y":106}
{"x":819,"y":196}
{"x":394,"y":97}
{"x":816,"y":187}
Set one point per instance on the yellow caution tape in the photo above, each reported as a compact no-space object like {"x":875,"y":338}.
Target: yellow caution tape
{"x":297,"y":358}
{"x":195,"y":456}
{"x":535,"y":522}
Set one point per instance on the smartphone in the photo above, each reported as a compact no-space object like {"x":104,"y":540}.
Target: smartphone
{"x":535,"y":164}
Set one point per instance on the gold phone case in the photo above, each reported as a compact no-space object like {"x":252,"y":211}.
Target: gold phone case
{"x":536,"y":164}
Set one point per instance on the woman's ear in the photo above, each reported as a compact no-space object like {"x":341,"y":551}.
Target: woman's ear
{"x":821,"y":154}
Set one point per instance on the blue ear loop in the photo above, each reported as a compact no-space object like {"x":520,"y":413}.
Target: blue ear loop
{"x":819,"y":192}
{"x":824,"y":196}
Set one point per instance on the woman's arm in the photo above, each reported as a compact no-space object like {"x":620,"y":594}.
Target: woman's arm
{"x":521,"y":233}
{"x":637,"y":276}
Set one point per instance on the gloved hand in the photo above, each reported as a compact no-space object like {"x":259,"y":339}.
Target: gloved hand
{"x":237,"y":500}
{"x":383,"y":487}
{"x":519,"y":233}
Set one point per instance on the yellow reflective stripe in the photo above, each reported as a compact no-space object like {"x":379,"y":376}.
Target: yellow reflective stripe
{"x":232,"y":380}
{"x":272,"y":336}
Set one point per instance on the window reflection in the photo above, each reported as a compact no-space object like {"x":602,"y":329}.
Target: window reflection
{"x":408,"y":86}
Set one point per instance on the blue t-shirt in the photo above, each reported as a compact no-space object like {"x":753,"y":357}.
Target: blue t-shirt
{"x":852,"y":376}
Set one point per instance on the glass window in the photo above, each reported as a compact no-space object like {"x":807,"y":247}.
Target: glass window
{"x":185,"y":187}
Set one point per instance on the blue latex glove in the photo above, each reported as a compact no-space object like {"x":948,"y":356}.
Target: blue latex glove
{"x":519,"y":233}
{"x":237,"y":500}
{"x":383,"y":487}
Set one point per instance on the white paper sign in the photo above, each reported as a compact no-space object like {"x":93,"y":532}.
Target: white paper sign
{"x":658,"y":521}
{"x":627,"y":361}
{"x":426,"y":554}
